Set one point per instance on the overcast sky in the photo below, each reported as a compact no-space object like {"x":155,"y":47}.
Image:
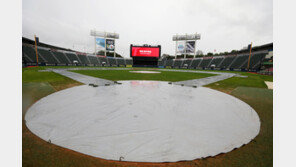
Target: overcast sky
{"x":224,"y":25}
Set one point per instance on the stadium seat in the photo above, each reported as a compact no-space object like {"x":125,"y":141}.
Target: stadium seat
{"x":161,"y":62}
{"x":61,"y":57}
{"x":239,"y":62}
{"x":94,"y":60}
{"x":48,"y":56}
{"x":169,"y":63}
{"x":51,"y":56}
{"x":195,"y":62}
{"x":30,"y":54}
{"x":112,"y":61}
{"x":25,"y":59}
{"x":255,"y":60}
{"x":216,"y":61}
{"x":177,"y":63}
{"x":226,"y":62}
{"x":72,"y":57}
{"x":83,"y":58}
{"x":186,"y":63}
{"x":205,"y":62}
{"x":103,"y":61}
{"x":128,"y":61}
{"x":121,"y":62}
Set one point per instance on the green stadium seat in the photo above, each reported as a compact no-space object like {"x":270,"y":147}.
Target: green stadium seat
{"x":61,"y":57}
{"x":30,"y":54}
{"x":196,"y":62}
{"x":226,"y":62}
{"x":48,"y":56}
{"x":205,"y":62}
{"x":83,"y":59}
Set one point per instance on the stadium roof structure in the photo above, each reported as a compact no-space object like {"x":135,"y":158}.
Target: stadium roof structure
{"x":32,"y":42}
{"x":268,"y":47}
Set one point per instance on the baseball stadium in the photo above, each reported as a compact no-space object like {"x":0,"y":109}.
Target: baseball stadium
{"x":69,"y":98}
{"x":147,"y":106}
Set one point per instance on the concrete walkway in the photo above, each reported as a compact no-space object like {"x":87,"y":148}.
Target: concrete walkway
{"x":219,"y":76}
{"x":83,"y":78}
{"x":204,"y":81}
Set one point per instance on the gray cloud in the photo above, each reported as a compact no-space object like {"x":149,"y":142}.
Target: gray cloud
{"x":224,"y":25}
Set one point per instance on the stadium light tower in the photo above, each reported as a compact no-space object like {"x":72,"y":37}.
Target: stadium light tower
{"x":109,"y":39}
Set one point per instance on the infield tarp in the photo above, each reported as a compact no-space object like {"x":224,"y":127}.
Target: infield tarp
{"x":144,"y":121}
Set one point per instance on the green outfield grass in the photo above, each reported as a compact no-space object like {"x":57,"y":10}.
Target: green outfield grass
{"x":252,"y":90}
{"x":36,"y":85}
{"x":57,"y":81}
{"x":251,"y":80}
{"x":116,"y":75}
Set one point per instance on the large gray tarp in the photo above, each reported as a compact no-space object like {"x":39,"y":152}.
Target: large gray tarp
{"x":144,"y":121}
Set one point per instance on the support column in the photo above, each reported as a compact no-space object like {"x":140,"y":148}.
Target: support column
{"x":95,"y":46}
{"x":195,"y":47}
{"x":105,"y":44}
{"x":176,"y":48}
{"x":114,"y":46}
{"x":185,"y":46}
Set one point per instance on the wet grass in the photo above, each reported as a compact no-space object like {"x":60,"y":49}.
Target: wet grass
{"x":116,"y":75}
{"x":251,"y":80}
{"x":37,"y":152}
{"x":57,"y":81}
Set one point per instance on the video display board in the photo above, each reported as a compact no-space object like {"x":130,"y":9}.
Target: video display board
{"x":100,"y":42}
{"x":190,"y":46}
{"x":145,"y":51}
{"x":110,"y":44}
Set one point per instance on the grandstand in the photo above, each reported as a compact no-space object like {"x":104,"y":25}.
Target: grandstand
{"x":72,"y":57}
{"x":51,"y":55}
{"x":30,"y":55}
{"x":83,"y":58}
{"x":93,"y":60}
{"x":112,"y":61}
{"x":255,"y":60}
{"x":227,"y":62}
{"x":216,"y":61}
{"x":186,"y":63}
{"x":195,"y":62}
{"x":128,"y":62}
{"x":205,"y":62}
{"x":121,"y":62}
{"x":103,"y":61}
{"x":48,"y":56}
{"x":60,"y":56}
{"x":239,"y":61}
{"x":178,"y":63}
{"x":169,"y":63}
{"x":161,"y":62}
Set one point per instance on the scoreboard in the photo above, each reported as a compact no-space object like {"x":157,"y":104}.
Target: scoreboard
{"x":145,"y":51}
